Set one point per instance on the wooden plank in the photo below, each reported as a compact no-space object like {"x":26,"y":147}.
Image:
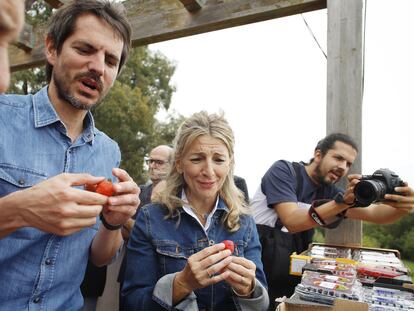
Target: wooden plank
{"x":193,"y":5}
{"x":159,"y":20}
{"x":55,"y":3}
{"x":344,"y":91}
{"x":26,"y":38}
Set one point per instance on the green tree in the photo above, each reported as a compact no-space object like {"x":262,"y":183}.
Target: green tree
{"x":399,"y":235}
{"x":128,"y":112}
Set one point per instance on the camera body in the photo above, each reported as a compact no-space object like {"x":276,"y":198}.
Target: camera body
{"x":373,"y":188}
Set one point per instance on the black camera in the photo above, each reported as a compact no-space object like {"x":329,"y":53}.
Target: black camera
{"x":372,"y":188}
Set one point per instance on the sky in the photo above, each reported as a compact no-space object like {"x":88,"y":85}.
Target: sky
{"x":269,"y":79}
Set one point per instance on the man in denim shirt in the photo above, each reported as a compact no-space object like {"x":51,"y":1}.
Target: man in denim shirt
{"x":50,"y":149}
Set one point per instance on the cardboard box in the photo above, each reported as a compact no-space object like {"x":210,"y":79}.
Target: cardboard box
{"x":298,"y":261}
{"x":339,"y":305}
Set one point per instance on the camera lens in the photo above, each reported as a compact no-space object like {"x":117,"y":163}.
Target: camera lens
{"x":368,"y":191}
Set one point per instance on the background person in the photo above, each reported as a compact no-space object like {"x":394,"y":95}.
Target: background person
{"x":281,"y":206}
{"x":174,"y":256}
{"x":240,"y":183}
{"x":49,"y":149}
{"x":11,"y":23}
{"x":159,"y":163}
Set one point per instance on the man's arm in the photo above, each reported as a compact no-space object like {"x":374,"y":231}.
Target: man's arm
{"x":297,"y":219}
{"x":52,"y":206}
{"x":118,"y":211}
{"x":396,"y":206}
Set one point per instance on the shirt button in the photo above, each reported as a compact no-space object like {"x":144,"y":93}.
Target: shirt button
{"x":36,"y":300}
{"x":211,"y":242}
{"x":48,"y":261}
{"x":21,"y":182}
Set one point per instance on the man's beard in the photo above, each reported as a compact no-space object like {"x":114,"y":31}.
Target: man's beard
{"x":64,"y":94}
{"x":321,"y":178}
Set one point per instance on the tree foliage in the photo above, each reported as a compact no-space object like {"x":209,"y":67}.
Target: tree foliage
{"x":399,"y":235}
{"x":128,"y":113}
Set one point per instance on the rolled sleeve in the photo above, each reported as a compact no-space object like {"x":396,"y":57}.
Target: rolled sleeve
{"x":163,"y":293}
{"x":258,"y":301}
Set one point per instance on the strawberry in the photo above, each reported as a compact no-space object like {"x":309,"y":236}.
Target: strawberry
{"x":105,"y":187}
{"x":90,"y":187}
{"x":229,"y":245}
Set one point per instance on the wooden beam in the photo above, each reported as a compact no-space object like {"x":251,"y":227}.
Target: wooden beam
{"x":344,"y":92}
{"x":26,"y":38}
{"x":160,"y":20}
{"x":193,"y":5}
{"x":55,"y":3}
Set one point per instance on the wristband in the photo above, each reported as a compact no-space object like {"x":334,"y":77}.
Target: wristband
{"x":314,"y":214}
{"x":339,"y":199}
{"x":107,"y":225}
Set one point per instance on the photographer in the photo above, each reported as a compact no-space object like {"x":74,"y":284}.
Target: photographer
{"x":293,"y":198}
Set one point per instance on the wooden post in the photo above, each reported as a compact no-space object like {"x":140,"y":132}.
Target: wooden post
{"x":344,"y":91}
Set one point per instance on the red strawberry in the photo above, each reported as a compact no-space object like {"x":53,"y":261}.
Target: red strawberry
{"x":90,"y":187}
{"x":105,"y":187}
{"x":229,"y":245}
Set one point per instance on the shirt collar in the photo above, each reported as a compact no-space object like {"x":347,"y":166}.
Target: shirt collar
{"x":45,"y":114}
{"x":220,"y":205}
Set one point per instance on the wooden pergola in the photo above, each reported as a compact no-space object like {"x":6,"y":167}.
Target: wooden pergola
{"x":160,"y":20}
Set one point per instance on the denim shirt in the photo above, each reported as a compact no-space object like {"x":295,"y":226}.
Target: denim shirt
{"x":159,"y":247}
{"x":41,"y":271}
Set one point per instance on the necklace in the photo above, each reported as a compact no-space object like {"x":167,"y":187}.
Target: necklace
{"x":203,"y":216}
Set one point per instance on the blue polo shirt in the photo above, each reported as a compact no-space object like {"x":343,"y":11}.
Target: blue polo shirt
{"x":38,"y":270}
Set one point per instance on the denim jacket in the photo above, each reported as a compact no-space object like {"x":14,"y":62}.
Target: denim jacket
{"x":38,"y":270}
{"x":158,"y":248}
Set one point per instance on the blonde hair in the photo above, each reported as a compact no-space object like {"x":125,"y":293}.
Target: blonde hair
{"x":216,"y":126}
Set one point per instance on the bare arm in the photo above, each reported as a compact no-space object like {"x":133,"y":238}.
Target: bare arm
{"x":297,"y":219}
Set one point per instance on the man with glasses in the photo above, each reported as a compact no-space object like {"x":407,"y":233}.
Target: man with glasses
{"x":159,"y":162}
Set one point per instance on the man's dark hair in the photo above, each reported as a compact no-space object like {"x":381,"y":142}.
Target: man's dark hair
{"x":62,"y":24}
{"x":327,"y":143}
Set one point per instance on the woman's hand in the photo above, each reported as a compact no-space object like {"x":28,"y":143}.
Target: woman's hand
{"x":204,"y":268}
{"x":242,"y":276}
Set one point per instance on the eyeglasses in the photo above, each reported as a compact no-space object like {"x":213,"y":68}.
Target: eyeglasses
{"x":155,"y":161}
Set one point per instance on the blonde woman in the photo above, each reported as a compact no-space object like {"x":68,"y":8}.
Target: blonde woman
{"x":175,"y":258}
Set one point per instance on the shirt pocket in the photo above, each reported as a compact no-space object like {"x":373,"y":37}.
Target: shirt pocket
{"x":13,"y":178}
{"x":173,"y":256}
